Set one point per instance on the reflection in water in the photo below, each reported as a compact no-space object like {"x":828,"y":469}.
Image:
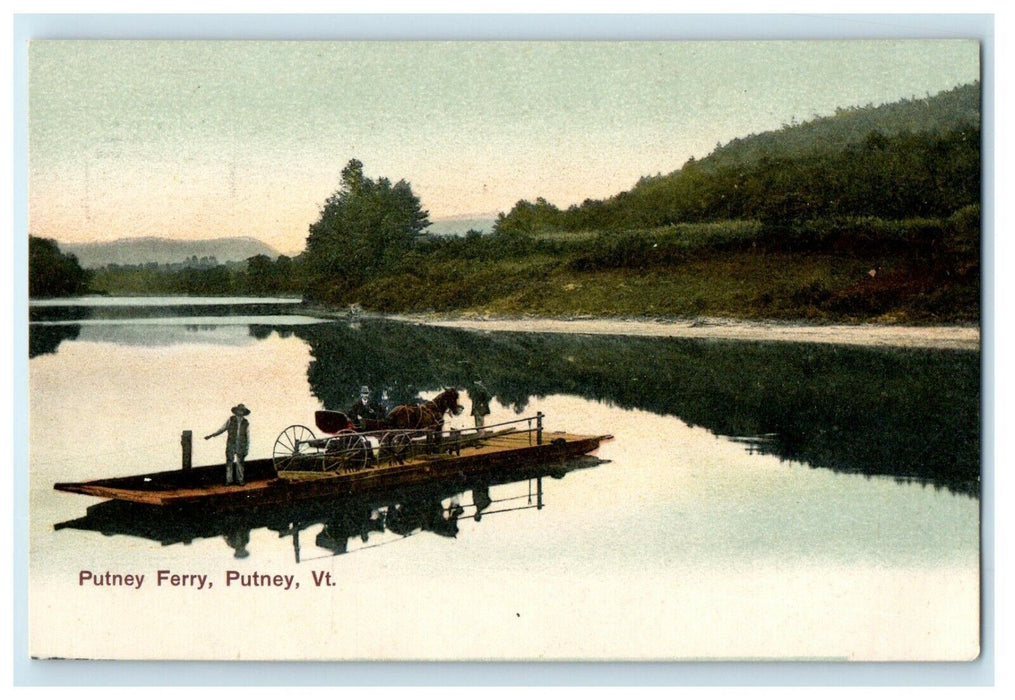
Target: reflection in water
{"x":165,"y":308}
{"x":902,"y":412}
{"x":98,"y":301}
{"x":139,"y":321}
{"x":238,"y":541}
{"x":47,"y":338}
{"x":913,"y":414}
{"x":43,"y":340}
{"x":403,"y":512}
{"x":704,"y":549}
{"x":209,"y":321}
{"x":755,"y":444}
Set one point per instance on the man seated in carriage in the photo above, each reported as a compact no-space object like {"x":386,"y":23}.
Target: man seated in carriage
{"x":365,"y":413}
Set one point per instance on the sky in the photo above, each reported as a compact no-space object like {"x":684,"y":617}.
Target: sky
{"x":196,"y":140}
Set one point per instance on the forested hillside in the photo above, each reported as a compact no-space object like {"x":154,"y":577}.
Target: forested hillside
{"x":871,"y":214}
{"x":916,"y":158}
{"x":947,"y":111}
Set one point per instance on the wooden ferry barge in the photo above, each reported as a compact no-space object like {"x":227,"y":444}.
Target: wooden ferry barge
{"x":316,"y":471}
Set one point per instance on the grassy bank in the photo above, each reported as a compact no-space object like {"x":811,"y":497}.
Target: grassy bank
{"x":919,"y":270}
{"x":783,"y":286}
{"x":912,"y":271}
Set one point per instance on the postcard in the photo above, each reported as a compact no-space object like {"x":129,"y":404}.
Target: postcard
{"x":504,"y":350}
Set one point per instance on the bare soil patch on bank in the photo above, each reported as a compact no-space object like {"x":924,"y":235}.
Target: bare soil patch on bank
{"x":868,"y":335}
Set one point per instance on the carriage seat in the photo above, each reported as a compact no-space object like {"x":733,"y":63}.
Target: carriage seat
{"x":333,"y":422}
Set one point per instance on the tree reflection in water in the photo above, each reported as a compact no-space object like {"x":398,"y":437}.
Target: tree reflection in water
{"x":45,"y":340}
{"x":909,"y":413}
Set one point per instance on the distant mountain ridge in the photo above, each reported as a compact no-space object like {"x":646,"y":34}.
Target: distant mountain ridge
{"x":138,"y":251}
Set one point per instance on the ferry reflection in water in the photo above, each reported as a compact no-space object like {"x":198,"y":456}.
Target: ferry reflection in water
{"x":349,"y":524}
{"x":808,"y":541}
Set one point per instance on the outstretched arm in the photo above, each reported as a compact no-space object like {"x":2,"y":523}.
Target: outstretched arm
{"x":218,"y":432}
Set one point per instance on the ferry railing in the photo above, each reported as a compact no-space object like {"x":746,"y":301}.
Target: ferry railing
{"x":533,"y":428}
{"x":346,"y":448}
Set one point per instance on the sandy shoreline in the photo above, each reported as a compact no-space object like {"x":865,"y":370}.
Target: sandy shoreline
{"x":868,"y":335}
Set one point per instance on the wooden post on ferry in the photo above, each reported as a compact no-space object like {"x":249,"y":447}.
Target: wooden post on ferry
{"x":186,"y":443}
{"x":539,"y":427}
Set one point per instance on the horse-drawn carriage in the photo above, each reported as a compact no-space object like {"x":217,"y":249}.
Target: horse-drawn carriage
{"x":344,"y":446}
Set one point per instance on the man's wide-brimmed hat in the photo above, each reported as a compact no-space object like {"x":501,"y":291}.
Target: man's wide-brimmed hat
{"x":241,"y":410}
{"x":364,"y":390}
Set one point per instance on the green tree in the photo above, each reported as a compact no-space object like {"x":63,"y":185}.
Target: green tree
{"x":528,"y":217}
{"x":286,"y":274}
{"x":52,"y":273}
{"x":365,"y":227}
{"x":259,"y":274}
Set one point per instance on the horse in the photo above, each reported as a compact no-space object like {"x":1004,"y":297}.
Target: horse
{"x":427,"y":416}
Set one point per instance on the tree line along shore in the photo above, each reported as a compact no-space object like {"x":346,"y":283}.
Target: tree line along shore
{"x":872,"y":214}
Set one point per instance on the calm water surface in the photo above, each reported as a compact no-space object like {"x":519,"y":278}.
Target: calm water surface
{"x":758,"y":500}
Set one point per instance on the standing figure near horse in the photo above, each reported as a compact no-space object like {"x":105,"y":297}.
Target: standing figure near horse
{"x":237,"y":429}
{"x":480,"y":404}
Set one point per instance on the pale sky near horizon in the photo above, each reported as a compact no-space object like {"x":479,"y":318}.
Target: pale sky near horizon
{"x":209,"y":139}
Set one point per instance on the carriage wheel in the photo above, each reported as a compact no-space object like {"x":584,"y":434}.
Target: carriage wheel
{"x":353,"y":451}
{"x":347,"y":451}
{"x":290,"y":446}
{"x":399,"y":445}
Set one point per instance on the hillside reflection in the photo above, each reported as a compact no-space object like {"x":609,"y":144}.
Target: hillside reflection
{"x":914,"y":414}
{"x":909,"y":413}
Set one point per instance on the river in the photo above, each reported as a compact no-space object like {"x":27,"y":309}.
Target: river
{"x":758,"y":500}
